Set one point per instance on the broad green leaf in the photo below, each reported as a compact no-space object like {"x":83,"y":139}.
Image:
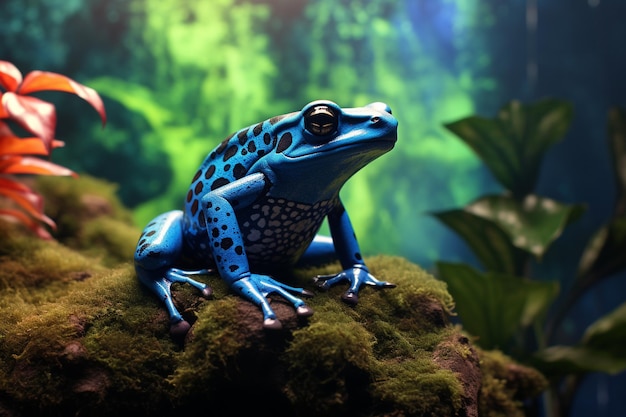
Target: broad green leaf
{"x":600,"y":350}
{"x":562,"y":360}
{"x":491,"y":245}
{"x":604,"y":254}
{"x":547,"y":122}
{"x":488,"y":140}
{"x":608,"y":333}
{"x":513,"y":144}
{"x":494,"y":307}
{"x":532,"y":224}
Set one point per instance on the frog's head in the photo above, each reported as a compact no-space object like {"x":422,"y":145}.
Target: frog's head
{"x":332,"y":141}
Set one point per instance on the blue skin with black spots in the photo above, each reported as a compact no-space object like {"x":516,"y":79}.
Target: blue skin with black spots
{"x":257,"y":202}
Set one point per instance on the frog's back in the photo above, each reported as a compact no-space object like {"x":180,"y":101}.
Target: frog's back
{"x":229,"y":161}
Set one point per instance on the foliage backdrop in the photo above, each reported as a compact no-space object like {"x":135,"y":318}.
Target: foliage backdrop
{"x":177,"y":76}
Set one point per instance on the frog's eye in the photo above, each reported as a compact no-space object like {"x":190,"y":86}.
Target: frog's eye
{"x":321,"y":120}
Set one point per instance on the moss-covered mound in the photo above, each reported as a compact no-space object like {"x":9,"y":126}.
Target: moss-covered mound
{"x":80,"y":336}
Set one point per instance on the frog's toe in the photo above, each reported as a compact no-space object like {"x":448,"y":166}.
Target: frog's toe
{"x":179,"y":329}
{"x":321,"y":283}
{"x":207,"y":292}
{"x":304,"y":311}
{"x":373,"y":282}
{"x":307,"y":293}
{"x":324,"y":282}
{"x":272,"y":324}
{"x":350,"y":297}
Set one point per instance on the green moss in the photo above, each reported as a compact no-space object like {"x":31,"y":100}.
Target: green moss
{"x":506,"y":384}
{"x":135,"y":367}
{"x":413,"y":281}
{"x":70,"y":200}
{"x":36,"y":270}
{"x":389,"y":343}
{"x":89,"y":217}
{"x":217,"y":342}
{"x":328,"y":365}
{"x":102,"y":331}
{"x":81,"y":335}
{"x":413,"y":284}
{"x":418,"y":387}
{"x":109,"y":240}
{"x":380,"y":352}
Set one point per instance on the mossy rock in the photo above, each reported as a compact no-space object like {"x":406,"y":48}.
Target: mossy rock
{"x":89,"y":217}
{"x":81,"y":336}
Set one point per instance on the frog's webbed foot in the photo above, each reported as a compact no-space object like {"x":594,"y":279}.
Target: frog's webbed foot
{"x":178,"y":325}
{"x":179,"y":329}
{"x":179,"y":275}
{"x":257,"y":287}
{"x":357,"y":276}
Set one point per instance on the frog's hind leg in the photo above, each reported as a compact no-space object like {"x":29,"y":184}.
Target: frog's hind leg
{"x":159,"y":247}
{"x":321,"y":251}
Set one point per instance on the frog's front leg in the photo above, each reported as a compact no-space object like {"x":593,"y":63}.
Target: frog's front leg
{"x":227,"y":247}
{"x":349,"y":254}
{"x":159,"y":248}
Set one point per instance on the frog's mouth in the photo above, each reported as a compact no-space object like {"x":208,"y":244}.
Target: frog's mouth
{"x":382,"y":144}
{"x":323,"y":170}
{"x":357,"y":141}
{"x":342,"y":147}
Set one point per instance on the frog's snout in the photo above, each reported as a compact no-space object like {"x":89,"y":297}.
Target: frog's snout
{"x":380,"y":106}
{"x":383,"y":120}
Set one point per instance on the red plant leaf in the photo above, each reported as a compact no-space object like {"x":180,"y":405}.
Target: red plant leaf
{"x":43,"y":80}
{"x":22,"y":146}
{"x":3,"y":113}
{"x":30,"y":201}
{"x":32,"y":224}
{"x":27,"y":199}
{"x":10,"y":76}
{"x":10,"y":143}
{"x":32,"y":165}
{"x":5,"y":130}
{"x":35,"y":115}
{"x":11,"y":184}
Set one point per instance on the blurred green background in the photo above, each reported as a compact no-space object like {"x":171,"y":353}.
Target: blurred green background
{"x":178,"y":76}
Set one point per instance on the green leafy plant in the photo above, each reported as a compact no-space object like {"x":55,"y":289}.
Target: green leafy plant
{"x":503,"y":305}
{"x":25,"y":155}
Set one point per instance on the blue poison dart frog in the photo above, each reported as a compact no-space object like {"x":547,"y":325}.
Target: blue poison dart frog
{"x":256,"y":203}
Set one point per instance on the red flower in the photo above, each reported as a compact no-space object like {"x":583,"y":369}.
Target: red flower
{"x":23,"y":155}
